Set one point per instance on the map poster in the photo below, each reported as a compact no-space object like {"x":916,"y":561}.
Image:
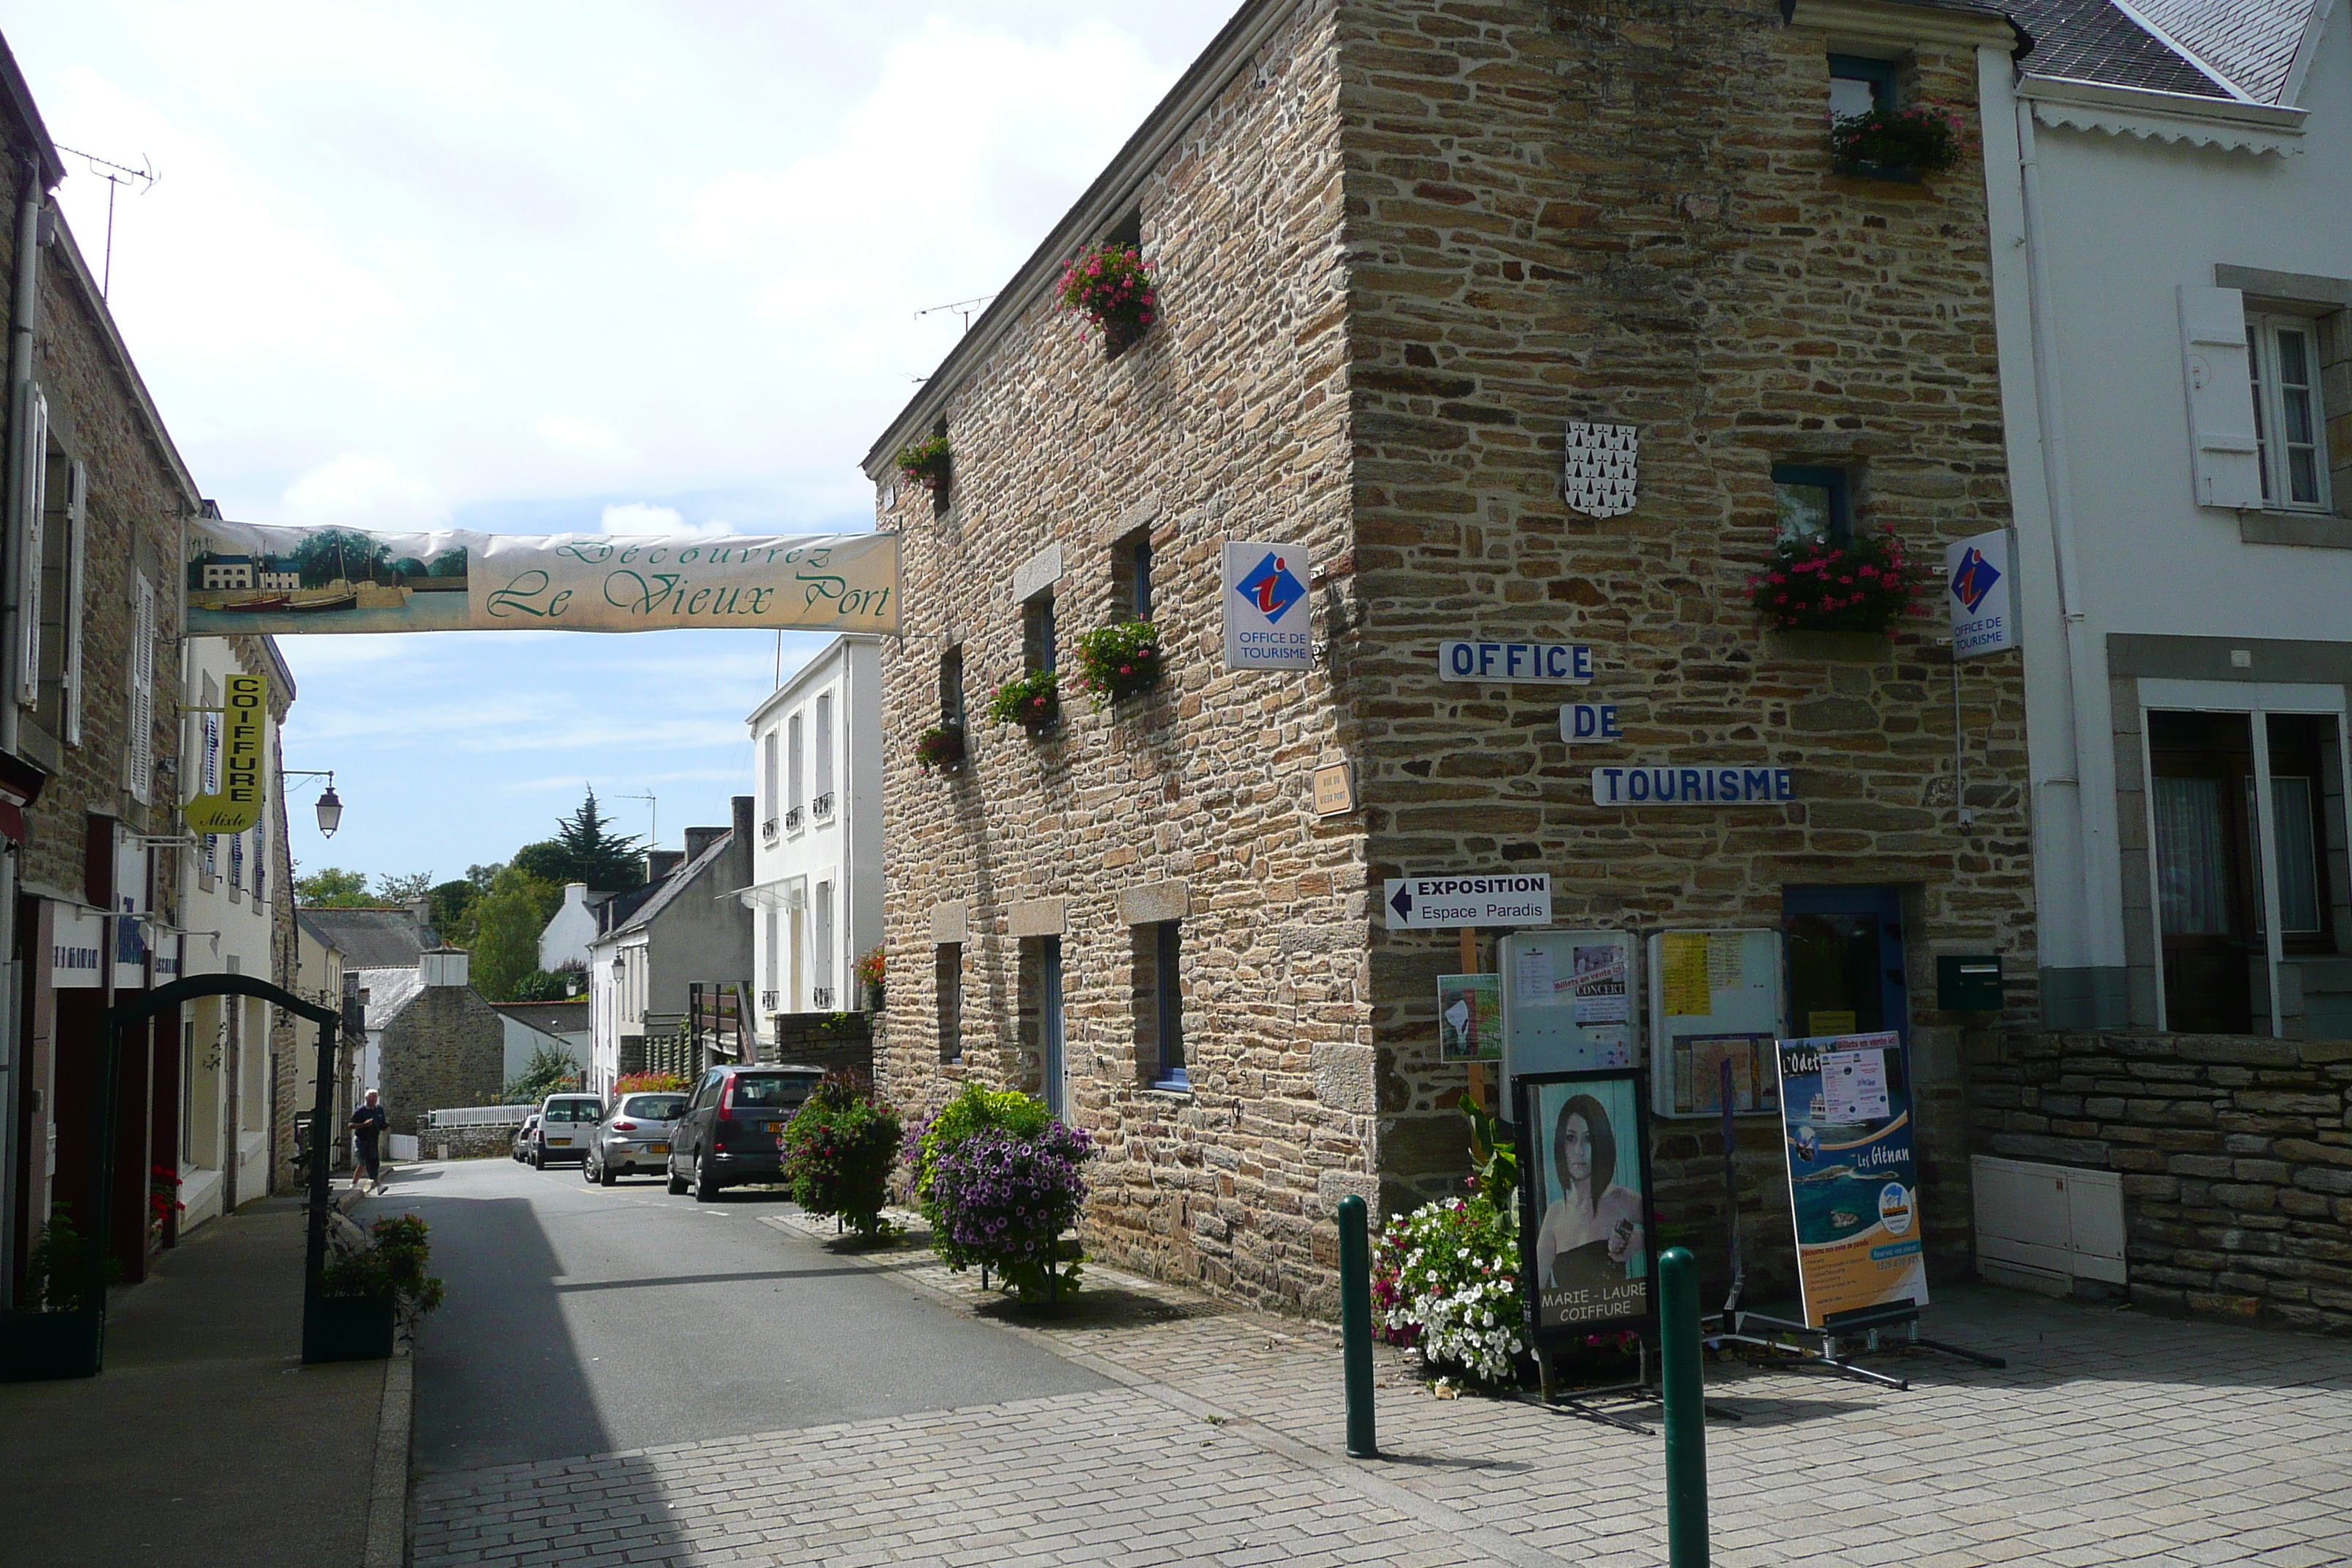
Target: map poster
{"x":1845,"y":1108}
{"x":1586,"y":1228}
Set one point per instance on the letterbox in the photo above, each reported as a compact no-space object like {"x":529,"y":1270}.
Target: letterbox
{"x":1969,"y":982}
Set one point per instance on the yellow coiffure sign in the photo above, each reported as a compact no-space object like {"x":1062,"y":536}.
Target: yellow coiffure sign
{"x":244,"y":752}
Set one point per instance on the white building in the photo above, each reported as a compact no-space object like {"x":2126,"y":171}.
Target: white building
{"x":2173,"y":273}
{"x":226,"y":1074}
{"x":569,"y":931}
{"x":816,"y":868}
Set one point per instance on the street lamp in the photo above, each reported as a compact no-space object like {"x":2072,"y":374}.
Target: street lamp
{"x":330,"y":805}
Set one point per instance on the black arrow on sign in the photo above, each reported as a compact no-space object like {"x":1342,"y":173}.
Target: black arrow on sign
{"x":1402,"y":903}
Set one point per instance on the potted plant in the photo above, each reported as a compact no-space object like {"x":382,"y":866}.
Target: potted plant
{"x":1446,"y":1281}
{"x":1118,"y":660}
{"x":927,"y":462}
{"x":362,"y":1294}
{"x":162,"y":1202}
{"x":869,"y":978}
{"x":1110,"y":286}
{"x":62,"y":1333}
{"x":1033,"y":701}
{"x":1000,"y":1180}
{"x":1865,"y":584}
{"x":940,"y":746}
{"x":1896,"y":143}
{"x":838,"y":1150}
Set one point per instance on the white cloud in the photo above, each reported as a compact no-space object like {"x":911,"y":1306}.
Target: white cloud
{"x":641,"y":517}
{"x":583,"y":437}
{"x":365,"y":490}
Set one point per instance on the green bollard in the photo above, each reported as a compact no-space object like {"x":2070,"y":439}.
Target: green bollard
{"x":1356,"y":1326}
{"x":1685,"y":1393}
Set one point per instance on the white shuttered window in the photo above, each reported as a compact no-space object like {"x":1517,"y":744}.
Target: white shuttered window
{"x":138,"y":747}
{"x":2225,"y":451}
{"x":32,"y":500}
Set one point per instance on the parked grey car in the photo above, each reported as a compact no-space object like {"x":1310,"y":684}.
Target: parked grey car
{"x":566,"y":1123}
{"x":526,"y":1138}
{"x":634,"y":1140}
{"x":725,"y":1136}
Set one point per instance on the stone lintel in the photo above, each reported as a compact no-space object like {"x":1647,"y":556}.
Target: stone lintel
{"x":1037,"y":573}
{"x":1142,"y":514}
{"x":1154,"y":901}
{"x":950,"y":921}
{"x":1037,"y":917}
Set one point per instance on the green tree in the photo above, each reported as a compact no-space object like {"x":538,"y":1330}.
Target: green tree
{"x":333,"y":553}
{"x":546,"y":861}
{"x":506,"y":923}
{"x":541,"y":985}
{"x":607,"y":861}
{"x":405,"y":890}
{"x":449,"y":563}
{"x":452,"y":905}
{"x":549,"y":1071}
{"x":333,"y":887}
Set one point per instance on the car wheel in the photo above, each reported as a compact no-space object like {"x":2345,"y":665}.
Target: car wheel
{"x":588,"y":1171}
{"x":605,"y":1175}
{"x":539,"y":1159}
{"x":706,"y":1187}
{"x":676,"y":1181}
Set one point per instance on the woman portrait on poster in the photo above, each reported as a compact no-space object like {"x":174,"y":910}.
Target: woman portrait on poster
{"x":1595,"y":1226}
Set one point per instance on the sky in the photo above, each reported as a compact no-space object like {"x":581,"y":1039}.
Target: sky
{"x":536,"y":268}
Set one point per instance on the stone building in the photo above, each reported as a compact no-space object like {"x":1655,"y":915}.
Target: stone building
{"x":685,"y":928}
{"x":1399,"y":246}
{"x":437,"y":1042}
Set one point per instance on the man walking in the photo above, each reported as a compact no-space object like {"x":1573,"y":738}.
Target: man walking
{"x":368,"y":1126}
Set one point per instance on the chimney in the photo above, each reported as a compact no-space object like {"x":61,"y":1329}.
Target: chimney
{"x":743,"y":804}
{"x":660,"y":863}
{"x":698,"y":839}
{"x":445,"y":965}
{"x":422,"y":909}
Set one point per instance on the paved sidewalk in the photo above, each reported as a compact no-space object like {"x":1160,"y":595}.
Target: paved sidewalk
{"x":2113,"y":1437}
{"x":205,"y":1441}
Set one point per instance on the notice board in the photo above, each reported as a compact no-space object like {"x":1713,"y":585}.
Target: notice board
{"x":1568,"y":1002}
{"x":1715,"y":995}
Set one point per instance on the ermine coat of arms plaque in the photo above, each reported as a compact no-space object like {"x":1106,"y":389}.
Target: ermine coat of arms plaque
{"x":1602,"y":464}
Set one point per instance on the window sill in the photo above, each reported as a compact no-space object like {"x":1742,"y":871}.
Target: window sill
{"x":2312,"y":530}
{"x":1882,"y":174}
{"x":1176,"y":1082}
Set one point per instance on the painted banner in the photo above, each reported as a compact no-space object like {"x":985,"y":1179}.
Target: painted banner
{"x":244,"y":709}
{"x":1585,"y":1224}
{"x":1845,"y":1105}
{"x":249,"y":577}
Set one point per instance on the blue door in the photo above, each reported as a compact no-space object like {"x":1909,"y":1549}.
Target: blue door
{"x":1846,"y":960}
{"x":1049,"y":1019}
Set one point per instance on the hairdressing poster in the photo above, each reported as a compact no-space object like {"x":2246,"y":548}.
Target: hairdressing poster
{"x":1586,"y":1228}
{"x":1846,"y":1106}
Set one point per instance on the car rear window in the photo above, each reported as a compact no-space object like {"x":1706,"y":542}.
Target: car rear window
{"x":768,"y":1091}
{"x":653,"y":1107}
{"x":574,"y":1111}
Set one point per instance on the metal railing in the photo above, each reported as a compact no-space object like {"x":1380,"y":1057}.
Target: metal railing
{"x":479,"y":1116}
{"x":769,"y":829}
{"x":792,"y":820}
{"x":821,"y":806}
{"x":821,"y":998}
{"x":767,"y":1001}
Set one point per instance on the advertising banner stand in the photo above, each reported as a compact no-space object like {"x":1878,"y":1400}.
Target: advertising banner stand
{"x":1847,"y":1134}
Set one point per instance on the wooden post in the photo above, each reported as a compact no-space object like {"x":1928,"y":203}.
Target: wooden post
{"x":1479,"y":1095}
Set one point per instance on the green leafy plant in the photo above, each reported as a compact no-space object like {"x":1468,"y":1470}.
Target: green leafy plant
{"x":649,"y":1083}
{"x":838,"y":1150}
{"x":1034,"y":701}
{"x":57,"y":1265}
{"x":929,"y":462}
{"x":1819,"y":584}
{"x":1495,"y":1174}
{"x":549,"y":1071}
{"x":1118,"y":660}
{"x":968,"y":1114}
{"x":870,"y":968}
{"x":392,"y":1263}
{"x":940,"y":746}
{"x":1924,"y":140}
{"x":1445,"y":1279}
{"x":1110,"y":285}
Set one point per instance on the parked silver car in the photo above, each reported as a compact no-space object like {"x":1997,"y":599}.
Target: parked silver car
{"x":634,"y":1140}
{"x":567,"y":1123}
{"x":526,"y":1139}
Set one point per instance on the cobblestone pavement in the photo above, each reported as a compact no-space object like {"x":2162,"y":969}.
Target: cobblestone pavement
{"x":2112,"y":1438}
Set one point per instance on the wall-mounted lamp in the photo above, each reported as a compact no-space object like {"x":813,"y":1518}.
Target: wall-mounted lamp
{"x":330,"y":805}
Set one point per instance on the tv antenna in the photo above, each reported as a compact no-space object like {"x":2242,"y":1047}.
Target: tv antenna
{"x":116,"y":176}
{"x":653,"y":811}
{"x":963,"y":307}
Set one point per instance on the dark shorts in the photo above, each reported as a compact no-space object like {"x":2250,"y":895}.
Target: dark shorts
{"x":372,"y":1156}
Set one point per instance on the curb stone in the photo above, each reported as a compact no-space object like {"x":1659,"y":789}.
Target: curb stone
{"x":387,"y":1524}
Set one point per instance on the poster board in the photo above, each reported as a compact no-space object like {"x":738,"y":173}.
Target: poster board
{"x":1586,"y":1225}
{"x":1470,"y":1017}
{"x":1568,"y":1002}
{"x":1715,"y":995}
{"x":1847,"y":1111}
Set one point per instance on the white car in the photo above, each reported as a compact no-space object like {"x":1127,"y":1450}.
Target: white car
{"x":567,"y":1124}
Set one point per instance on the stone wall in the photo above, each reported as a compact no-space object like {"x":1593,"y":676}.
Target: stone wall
{"x":447,"y":1049}
{"x":472,"y":1142}
{"x":837,"y":1042}
{"x":2236,"y":1156}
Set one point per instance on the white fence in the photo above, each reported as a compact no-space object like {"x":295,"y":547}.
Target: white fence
{"x":479,"y":1116}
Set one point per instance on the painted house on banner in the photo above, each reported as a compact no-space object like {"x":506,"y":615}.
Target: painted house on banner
{"x":1495,"y":352}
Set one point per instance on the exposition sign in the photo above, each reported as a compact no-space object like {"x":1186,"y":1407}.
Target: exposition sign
{"x":1585,"y":1224}
{"x":1263,"y":590}
{"x":1977,"y":591}
{"x":1845,"y":1107}
{"x":245,"y":709}
{"x":1421,"y":903}
{"x":249,"y":577}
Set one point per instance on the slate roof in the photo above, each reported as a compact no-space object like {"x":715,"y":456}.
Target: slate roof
{"x":389,"y":993}
{"x":372,"y":939}
{"x":548,"y":1017}
{"x":2181,"y":49}
{"x":671,"y":886}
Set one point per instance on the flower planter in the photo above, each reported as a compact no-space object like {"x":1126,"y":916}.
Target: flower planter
{"x":347,"y":1327}
{"x":939,"y":748}
{"x":1895,"y":173}
{"x":1033,"y":701}
{"x":1120,"y":336}
{"x":39,"y":1347}
{"x":1118,"y":661}
{"x":1112,"y":287}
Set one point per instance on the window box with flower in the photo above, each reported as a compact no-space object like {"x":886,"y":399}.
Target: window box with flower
{"x":1119,"y":660}
{"x":940,"y":746}
{"x":1865,"y":583}
{"x":1034,"y":701}
{"x":1899,"y":144}
{"x":929,"y":463}
{"x":1110,"y":285}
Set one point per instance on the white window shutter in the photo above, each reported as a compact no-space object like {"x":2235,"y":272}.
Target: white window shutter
{"x":2221,"y":396}
{"x":32,"y":505}
{"x":138,"y":750}
{"x":73,"y":609}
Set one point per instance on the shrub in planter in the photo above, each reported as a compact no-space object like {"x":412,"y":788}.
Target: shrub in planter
{"x":1446,"y":1280}
{"x":1004,"y":1199}
{"x":838,"y":1150}
{"x":1110,"y":286}
{"x":392,"y":1263}
{"x":869,"y":978}
{"x":968,"y":1115}
{"x":1818,"y":584}
{"x":1034,"y":701}
{"x":929,"y":462}
{"x":1118,"y":660}
{"x":57,"y":1266}
{"x":940,"y":746}
{"x":1914,"y":141}
{"x":649,"y":1083}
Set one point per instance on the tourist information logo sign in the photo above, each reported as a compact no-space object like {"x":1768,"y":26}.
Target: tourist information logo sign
{"x":1423,"y":903}
{"x":1268,"y":625}
{"x":1977,"y":579}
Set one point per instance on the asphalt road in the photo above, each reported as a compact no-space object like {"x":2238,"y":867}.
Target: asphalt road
{"x":582,"y":1320}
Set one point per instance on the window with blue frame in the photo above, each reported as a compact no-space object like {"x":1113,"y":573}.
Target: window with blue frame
{"x":1810,"y":502}
{"x":1859,"y":84}
{"x":1159,"y":1004}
